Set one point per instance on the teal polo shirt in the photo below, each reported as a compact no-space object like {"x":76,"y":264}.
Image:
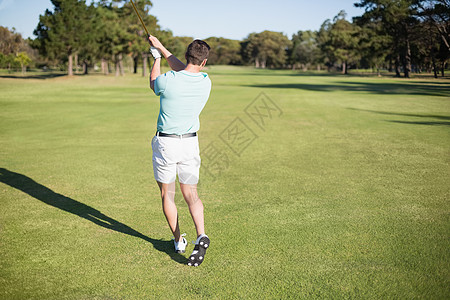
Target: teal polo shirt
{"x":182,"y":98}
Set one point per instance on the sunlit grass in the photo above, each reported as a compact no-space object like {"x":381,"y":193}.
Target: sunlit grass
{"x":343,"y":195}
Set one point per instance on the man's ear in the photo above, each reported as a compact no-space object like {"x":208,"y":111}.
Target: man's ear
{"x":203,"y":63}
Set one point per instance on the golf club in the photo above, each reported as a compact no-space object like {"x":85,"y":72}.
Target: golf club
{"x":139,"y":16}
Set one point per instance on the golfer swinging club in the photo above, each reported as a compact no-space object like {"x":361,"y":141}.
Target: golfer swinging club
{"x":183,"y":93}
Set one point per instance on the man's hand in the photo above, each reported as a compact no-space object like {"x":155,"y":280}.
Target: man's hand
{"x":155,"y":52}
{"x":174,"y":63}
{"x":154,"y":42}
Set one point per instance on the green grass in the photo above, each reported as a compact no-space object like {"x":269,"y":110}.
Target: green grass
{"x":344,"y":195}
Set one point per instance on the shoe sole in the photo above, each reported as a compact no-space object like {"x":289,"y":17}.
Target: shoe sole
{"x":196,"y":259}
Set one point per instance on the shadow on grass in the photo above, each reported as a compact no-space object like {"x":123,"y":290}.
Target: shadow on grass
{"x":46,"y":195}
{"x":421,"y":123}
{"x":444,"y":120}
{"x":34,"y":76}
{"x":391,"y":88}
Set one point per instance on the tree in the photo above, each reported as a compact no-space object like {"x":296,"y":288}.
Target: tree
{"x":267,"y":48}
{"x":344,"y":39}
{"x":177,"y":44}
{"x":61,"y":33}
{"x":224,"y":51}
{"x":339,"y":42}
{"x":14,"y":50}
{"x":374,"y":44}
{"x":435,"y":16}
{"x":89,"y":50}
{"x":123,"y":35}
{"x":10,"y":41}
{"x":7,"y":61}
{"x":326,"y":54}
{"x":397,"y":19}
{"x":304,"y":49}
{"x":23,"y":59}
{"x":437,"y":12}
{"x":140,"y":46}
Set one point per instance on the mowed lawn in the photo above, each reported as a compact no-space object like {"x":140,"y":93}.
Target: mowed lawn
{"x":314,"y":186}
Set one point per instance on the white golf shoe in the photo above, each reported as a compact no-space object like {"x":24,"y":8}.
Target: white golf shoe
{"x":180,"y":247}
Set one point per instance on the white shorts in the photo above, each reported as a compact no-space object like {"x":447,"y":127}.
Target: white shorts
{"x":172,"y":156}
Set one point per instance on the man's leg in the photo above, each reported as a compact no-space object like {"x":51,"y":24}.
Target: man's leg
{"x":169,"y":207}
{"x":195,"y":205}
{"x":196,"y":209}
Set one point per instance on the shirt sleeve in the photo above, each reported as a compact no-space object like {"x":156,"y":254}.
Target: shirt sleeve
{"x":160,"y":84}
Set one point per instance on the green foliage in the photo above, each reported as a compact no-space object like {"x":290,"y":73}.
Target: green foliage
{"x":340,"y":42}
{"x":304,"y":50}
{"x":10,"y":41}
{"x":23,"y":59}
{"x":267,"y":48}
{"x":435,"y":42}
{"x":65,"y":31}
{"x":397,"y":20}
{"x":406,"y":34}
{"x":8,"y":61}
{"x":344,"y":41}
{"x":224,"y":51}
{"x":177,"y":44}
{"x":373,"y":43}
{"x":323,"y":40}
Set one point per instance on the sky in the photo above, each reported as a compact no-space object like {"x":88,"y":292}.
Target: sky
{"x":233,"y":19}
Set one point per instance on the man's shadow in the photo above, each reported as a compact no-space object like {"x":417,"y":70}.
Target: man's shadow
{"x":46,"y":195}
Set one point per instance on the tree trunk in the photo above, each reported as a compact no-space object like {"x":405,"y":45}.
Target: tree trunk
{"x":144,"y":64}
{"x":407,"y":70}
{"x":122,"y":71}
{"x":344,"y":67}
{"x":397,"y":66}
{"x":433,"y":60}
{"x":256,"y":62}
{"x":70,"y":67}
{"x":135,"y":64}
{"x":85,"y":67}
{"x":105,"y":66}
{"x":116,"y":65}
{"x":443,"y":69}
{"x":76,"y":63}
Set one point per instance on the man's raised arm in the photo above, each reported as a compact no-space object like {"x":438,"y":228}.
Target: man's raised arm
{"x":174,"y":63}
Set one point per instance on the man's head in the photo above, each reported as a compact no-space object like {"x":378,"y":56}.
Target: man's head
{"x":197,"y":53}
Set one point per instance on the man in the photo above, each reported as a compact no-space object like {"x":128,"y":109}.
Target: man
{"x":183,"y":93}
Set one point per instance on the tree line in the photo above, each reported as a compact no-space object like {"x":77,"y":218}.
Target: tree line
{"x":403,"y":36}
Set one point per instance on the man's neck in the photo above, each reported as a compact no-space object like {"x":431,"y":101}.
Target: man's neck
{"x":193,"y":68}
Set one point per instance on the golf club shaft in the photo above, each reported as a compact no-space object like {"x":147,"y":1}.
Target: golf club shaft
{"x":139,"y":16}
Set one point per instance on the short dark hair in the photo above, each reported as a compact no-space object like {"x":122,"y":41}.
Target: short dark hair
{"x":196,"y":52}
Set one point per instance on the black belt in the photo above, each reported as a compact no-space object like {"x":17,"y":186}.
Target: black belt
{"x":186,"y":135}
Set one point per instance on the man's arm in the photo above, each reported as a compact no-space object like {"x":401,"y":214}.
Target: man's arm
{"x":174,"y":63}
{"x":156,"y":71}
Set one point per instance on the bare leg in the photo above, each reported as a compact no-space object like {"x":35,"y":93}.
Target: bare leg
{"x":189,"y":192}
{"x":169,"y":207}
